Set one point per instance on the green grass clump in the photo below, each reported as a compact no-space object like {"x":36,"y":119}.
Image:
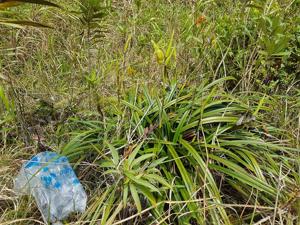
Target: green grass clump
{"x":194,"y":155}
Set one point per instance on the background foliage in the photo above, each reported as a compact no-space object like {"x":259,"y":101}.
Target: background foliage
{"x":171,"y":112}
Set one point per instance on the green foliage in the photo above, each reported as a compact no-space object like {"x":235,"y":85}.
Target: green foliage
{"x":274,"y":38}
{"x":188,"y":164}
{"x":7,"y":105}
{"x":92,"y":79}
{"x":10,"y":3}
{"x":135,"y":174}
{"x":186,"y":112}
{"x":164,"y":57}
{"x":7,"y":115}
{"x":92,"y":15}
{"x":4,"y":4}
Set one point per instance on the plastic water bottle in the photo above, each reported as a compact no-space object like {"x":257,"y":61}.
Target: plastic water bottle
{"x":50,"y":179}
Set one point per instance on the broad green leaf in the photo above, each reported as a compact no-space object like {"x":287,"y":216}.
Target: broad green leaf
{"x":158,"y":179}
{"x":239,"y":173}
{"x":184,"y":174}
{"x":145,"y":191}
{"x":208,"y":120}
{"x":22,"y":23}
{"x":141,"y":159}
{"x":142,"y":182}
{"x":114,"y":153}
{"x":135,"y":108}
{"x":133,"y":154}
{"x":157,"y":162}
{"x":180,"y":125}
{"x":135,"y":197}
{"x":10,"y":3}
{"x":125,"y":194}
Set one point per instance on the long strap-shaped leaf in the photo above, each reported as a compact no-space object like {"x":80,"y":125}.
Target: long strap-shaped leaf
{"x":21,"y":23}
{"x":211,"y":185}
{"x":186,"y":178}
{"x":11,"y":3}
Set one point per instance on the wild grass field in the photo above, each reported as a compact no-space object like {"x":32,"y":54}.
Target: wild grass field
{"x":170,"y":112}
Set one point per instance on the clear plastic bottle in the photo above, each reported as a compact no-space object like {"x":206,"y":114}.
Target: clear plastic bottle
{"x":54,"y":185}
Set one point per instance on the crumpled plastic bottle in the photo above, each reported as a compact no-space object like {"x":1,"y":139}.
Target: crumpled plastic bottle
{"x":54,"y":185}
